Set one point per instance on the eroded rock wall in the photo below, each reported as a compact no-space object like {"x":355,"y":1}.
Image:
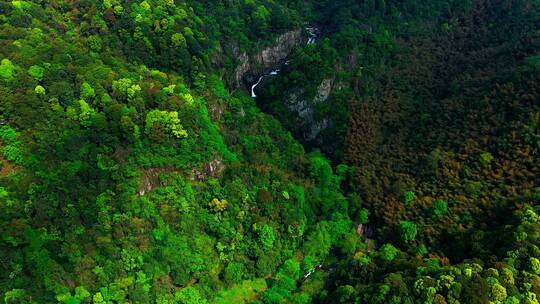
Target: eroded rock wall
{"x":252,"y":65}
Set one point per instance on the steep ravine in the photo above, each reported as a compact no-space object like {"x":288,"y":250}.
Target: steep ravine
{"x":309,"y":117}
{"x":297,"y":111}
{"x":311,"y":33}
{"x":298,"y":108}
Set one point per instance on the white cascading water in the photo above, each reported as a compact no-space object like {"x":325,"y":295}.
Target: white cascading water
{"x":312,"y":35}
{"x":272,"y":73}
{"x":311,"y":39}
{"x":255,"y":85}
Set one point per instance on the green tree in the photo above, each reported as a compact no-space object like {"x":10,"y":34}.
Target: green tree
{"x":388,"y":252}
{"x":11,"y":145}
{"x":39,"y":90}
{"x":234,"y":272}
{"x":408,"y":231}
{"x":167,"y":120}
{"x":440,"y":208}
{"x":266,"y":236}
{"x":261,"y":17}
{"x":189,"y":295}
{"x":87,"y":92}
{"x":178,"y":40}
{"x":94,"y":42}
{"x":364,"y":216}
{"x":7,"y":69}
{"x":345,"y":294}
{"x":534,"y":265}
{"x":409,"y":197}
{"x":36,"y":72}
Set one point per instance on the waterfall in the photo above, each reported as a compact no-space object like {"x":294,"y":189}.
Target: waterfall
{"x":272,"y":73}
{"x":255,"y":85}
{"x":312,"y":36}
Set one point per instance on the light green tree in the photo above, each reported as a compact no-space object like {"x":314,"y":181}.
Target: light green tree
{"x":498,"y":293}
{"x":388,"y":252}
{"x":440,"y":208}
{"x":169,"y":120}
{"x":39,"y":90}
{"x":121,"y":85}
{"x":86,"y":113}
{"x":266,"y":236}
{"x":36,"y":72}
{"x":409,"y":197}
{"x":14,"y":296}
{"x":7,"y":69}
{"x":178,"y":40}
{"x":87,"y":92}
{"x":126,"y":88}
{"x":189,"y":295}
{"x":408,"y":231}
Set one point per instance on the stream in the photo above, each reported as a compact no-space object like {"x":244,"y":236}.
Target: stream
{"x":312,"y":36}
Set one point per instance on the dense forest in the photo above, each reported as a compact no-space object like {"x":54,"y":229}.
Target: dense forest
{"x":388,"y":153}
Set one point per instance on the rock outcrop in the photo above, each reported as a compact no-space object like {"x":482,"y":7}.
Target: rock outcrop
{"x":151,"y":178}
{"x":305,"y":109}
{"x":252,"y":65}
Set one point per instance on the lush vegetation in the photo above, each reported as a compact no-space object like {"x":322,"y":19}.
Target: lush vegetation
{"x":442,"y":142}
{"x":131,"y":173}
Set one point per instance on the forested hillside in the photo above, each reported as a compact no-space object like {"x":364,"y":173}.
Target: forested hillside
{"x":390,"y":154}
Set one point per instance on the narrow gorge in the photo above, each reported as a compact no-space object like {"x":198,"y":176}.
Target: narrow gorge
{"x":255,"y":72}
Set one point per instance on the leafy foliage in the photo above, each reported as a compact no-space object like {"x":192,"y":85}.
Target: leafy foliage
{"x":130,"y":172}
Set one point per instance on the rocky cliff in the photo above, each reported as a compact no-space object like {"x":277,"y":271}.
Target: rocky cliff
{"x":251,"y":66}
{"x":309,"y":125}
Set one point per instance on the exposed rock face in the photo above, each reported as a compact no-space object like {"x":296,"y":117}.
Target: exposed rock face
{"x":256,"y":64}
{"x":151,"y":178}
{"x":213,"y":168}
{"x":283,"y":46}
{"x":366,"y":231}
{"x":242,"y":69}
{"x":324,"y":90}
{"x":305,"y":109}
